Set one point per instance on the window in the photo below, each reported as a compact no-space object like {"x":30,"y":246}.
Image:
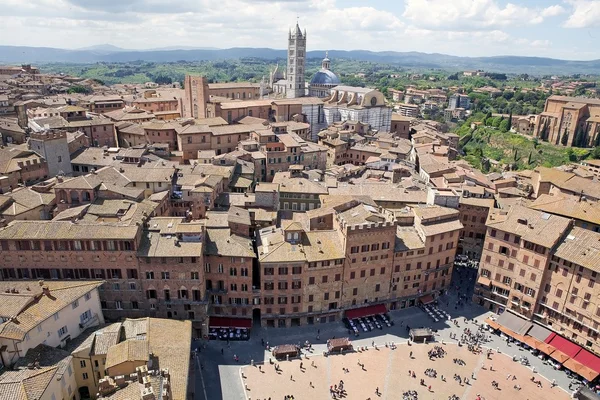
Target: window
{"x":311,"y":280}
{"x":377,"y":287}
{"x":324,"y":279}
{"x":533,"y":277}
{"x":164,"y":275}
{"x":62,"y":331}
{"x":85,"y":316}
{"x":85,"y":375}
{"x":82,"y":363}
{"x":355,"y":292}
{"x":559,"y":292}
{"x":529,"y":292}
{"x":56,"y":316}
{"x":75,"y":304}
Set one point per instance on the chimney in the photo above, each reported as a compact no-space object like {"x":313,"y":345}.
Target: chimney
{"x":46,"y":290}
{"x":148,"y":394}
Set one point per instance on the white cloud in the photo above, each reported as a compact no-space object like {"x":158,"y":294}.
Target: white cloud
{"x":553,"y":11}
{"x":585,"y":14}
{"x":462,"y":27}
{"x":473,"y":14}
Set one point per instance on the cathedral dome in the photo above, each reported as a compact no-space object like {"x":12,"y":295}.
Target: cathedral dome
{"x":325,"y":77}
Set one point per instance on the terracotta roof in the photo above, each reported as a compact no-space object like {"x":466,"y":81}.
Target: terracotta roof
{"x":171,"y":342}
{"x":129,"y":350}
{"x":41,"y":306}
{"x":222,"y":242}
{"x":407,"y":238}
{"x":105,"y":340}
{"x":26,"y":384}
{"x":46,"y":356}
{"x":323,"y":245}
{"x":568,"y":206}
{"x":531,"y":225}
{"x":66,"y":230}
{"x":581,"y":247}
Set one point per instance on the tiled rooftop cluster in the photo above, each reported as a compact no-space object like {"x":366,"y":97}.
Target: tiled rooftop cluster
{"x":222,"y":200}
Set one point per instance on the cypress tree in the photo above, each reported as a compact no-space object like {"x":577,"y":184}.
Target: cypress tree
{"x":597,"y":140}
{"x":565,"y":138}
{"x":510,"y":120}
{"x":544,"y":133}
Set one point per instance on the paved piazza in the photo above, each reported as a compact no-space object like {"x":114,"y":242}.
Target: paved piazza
{"x":387,"y":370}
{"x":218,"y":375}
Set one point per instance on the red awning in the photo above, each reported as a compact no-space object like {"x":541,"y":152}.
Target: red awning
{"x":549,"y":338}
{"x":588,"y":359}
{"x":366,"y":311}
{"x":426,"y":299}
{"x":224,"y":322}
{"x":565,"y":345}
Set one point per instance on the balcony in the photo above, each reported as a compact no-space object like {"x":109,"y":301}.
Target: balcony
{"x":216,"y":291}
{"x":90,"y":322}
{"x":186,"y":301}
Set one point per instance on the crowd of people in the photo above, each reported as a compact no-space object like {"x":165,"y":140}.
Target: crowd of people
{"x":436,"y":352}
{"x":337,"y":391}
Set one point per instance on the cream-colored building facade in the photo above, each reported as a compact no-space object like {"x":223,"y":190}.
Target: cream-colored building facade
{"x":50,"y":313}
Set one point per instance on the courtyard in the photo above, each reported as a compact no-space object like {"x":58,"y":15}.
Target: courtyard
{"x":386,"y":371}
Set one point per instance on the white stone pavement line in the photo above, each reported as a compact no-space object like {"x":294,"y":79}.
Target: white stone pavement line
{"x":328,"y":361}
{"x":201,"y":376}
{"x":388,"y":371}
{"x":243,"y":383}
{"x":482,"y":358}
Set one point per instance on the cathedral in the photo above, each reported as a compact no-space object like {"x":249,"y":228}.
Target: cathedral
{"x":291,"y":84}
{"x":294,"y":84}
{"x":323,"y":81}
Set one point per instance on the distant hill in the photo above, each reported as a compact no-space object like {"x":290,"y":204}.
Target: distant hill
{"x":109,"y":53}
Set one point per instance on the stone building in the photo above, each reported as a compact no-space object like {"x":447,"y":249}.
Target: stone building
{"x":18,"y":165}
{"x":351,"y":254}
{"x":541,"y":267}
{"x":564,"y":115}
{"x":517,"y":250}
{"x":53,"y":146}
{"x":44,"y":312}
{"x":358,"y":104}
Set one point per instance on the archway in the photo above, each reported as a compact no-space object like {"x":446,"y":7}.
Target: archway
{"x":84,"y":393}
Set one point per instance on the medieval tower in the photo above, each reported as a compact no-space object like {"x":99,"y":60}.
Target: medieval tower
{"x":296,"y":62}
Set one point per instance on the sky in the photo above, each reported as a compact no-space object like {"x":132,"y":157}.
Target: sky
{"x":567,"y":29}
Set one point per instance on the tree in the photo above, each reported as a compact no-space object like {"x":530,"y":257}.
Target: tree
{"x":504,"y":126}
{"x":577,"y":139}
{"x":510,"y":120}
{"x":597,"y":140}
{"x":565,"y":138}
{"x":529,"y":158}
{"x":544,"y":132}
{"x":79,"y":89}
